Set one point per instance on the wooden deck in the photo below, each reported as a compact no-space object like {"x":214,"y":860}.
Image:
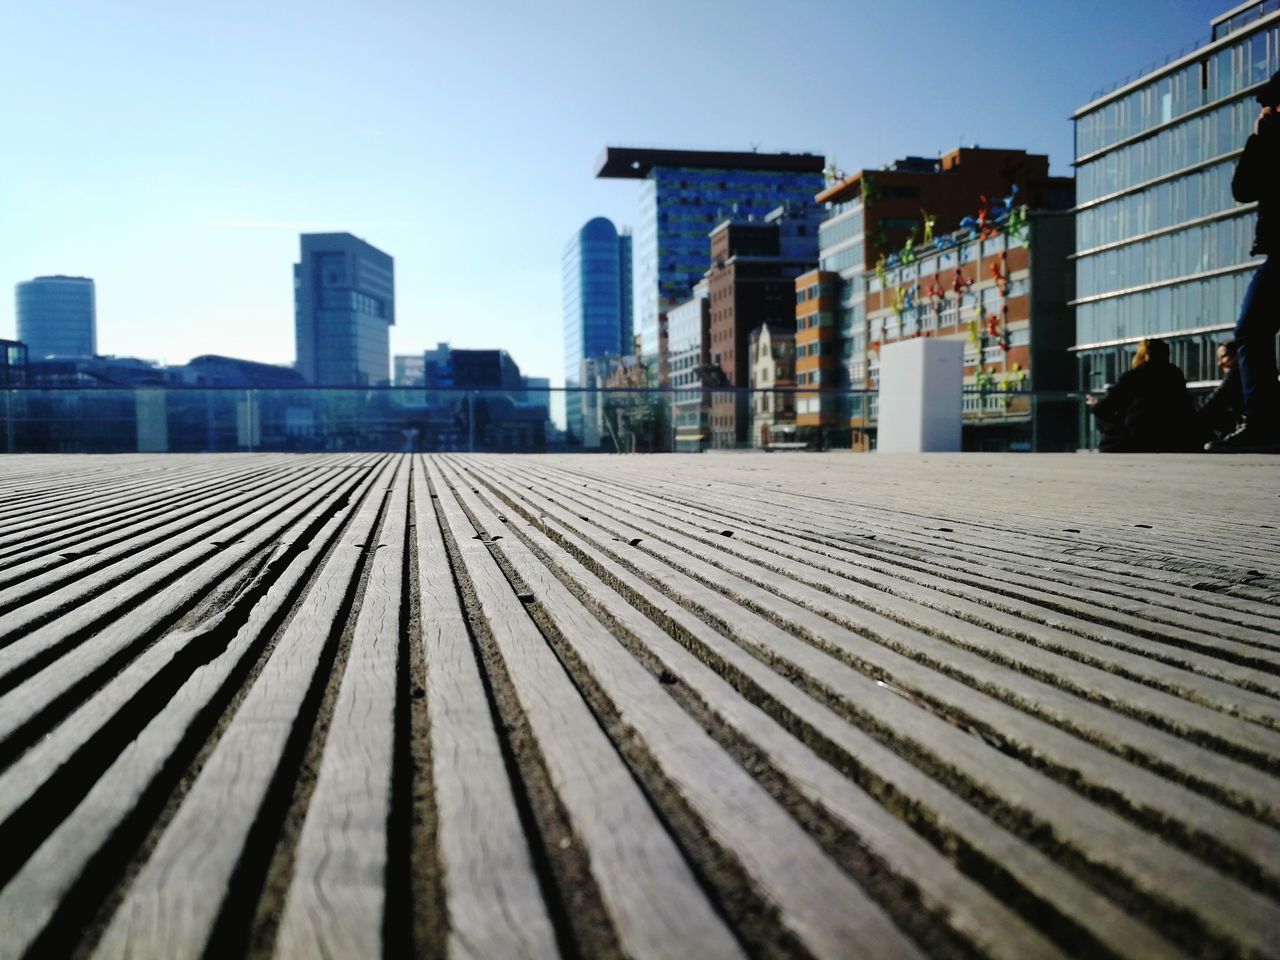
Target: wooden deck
{"x":673,"y":706}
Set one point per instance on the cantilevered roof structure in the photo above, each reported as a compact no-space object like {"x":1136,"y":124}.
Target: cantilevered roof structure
{"x":634,"y":163}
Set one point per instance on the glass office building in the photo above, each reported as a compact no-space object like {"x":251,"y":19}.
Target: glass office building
{"x":56,"y":317}
{"x":596,"y":284}
{"x":684,"y":194}
{"x":1162,"y":248}
{"x":344,"y":302}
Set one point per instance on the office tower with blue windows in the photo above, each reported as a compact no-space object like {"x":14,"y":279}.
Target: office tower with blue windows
{"x":684,"y":194}
{"x":597,"y":305}
{"x":344,"y":304}
{"x":56,"y":317}
{"x":1162,"y":248}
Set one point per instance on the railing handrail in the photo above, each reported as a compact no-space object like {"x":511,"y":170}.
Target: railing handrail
{"x":505,"y":391}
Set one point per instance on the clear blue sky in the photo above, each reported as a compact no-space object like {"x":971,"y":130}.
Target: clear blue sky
{"x":174,"y":151}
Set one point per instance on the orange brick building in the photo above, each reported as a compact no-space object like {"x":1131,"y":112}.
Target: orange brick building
{"x":1006,"y":297}
{"x":872,"y":213}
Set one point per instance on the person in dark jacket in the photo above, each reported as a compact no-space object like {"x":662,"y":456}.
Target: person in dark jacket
{"x":1148,"y":410}
{"x":1222,"y":410}
{"x":1257,"y":178}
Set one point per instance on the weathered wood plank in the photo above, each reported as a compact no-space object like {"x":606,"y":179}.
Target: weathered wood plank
{"x":28,"y":900}
{"x":336,"y":902}
{"x":1137,"y":657}
{"x":137,"y":620}
{"x":1161,"y":872}
{"x":113,"y":558}
{"x":172,"y":904}
{"x":66,"y":529}
{"x":822,"y":593}
{"x":1043,"y":881}
{"x":971,"y":705}
{"x":974,"y":549}
{"x":492,"y":896}
{"x":787,"y":865}
{"x":653,"y":900}
{"x":37,"y":630}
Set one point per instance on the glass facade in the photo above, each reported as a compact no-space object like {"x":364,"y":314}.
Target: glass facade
{"x":689,"y":411}
{"x":56,"y":317}
{"x":1162,"y":248}
{"x":679,"y":206}
{"x":596,"y":287}
{"x":344,"y":300}
{"x":842,"y":250}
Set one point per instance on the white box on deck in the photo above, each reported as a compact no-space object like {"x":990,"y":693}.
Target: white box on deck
{"x":921,"y":396}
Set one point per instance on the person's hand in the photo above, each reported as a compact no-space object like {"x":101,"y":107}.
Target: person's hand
{"x":1091,"y":401}
{"x":1266,"y":119}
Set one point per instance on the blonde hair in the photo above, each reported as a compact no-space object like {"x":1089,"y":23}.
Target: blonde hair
{"x":1149,"y":350}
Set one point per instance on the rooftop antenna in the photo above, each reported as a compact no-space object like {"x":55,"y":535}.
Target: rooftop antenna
{"x":755,"y":148}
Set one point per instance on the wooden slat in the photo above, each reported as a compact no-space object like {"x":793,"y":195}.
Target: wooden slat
{"x":971,"y":550}
{"x":494,"y":904}
{"x":471,"y":706}
{"x":136,"y":621}
{"x":66,"y":528}
{"x":28,"y":900}
{"x":112,"y":559}
{"x":336,"y":902}
{"x":1041,"y":879}
{"x":1160,"y":872}
{"x":808,"y":893}
{"x":172,"y":904}
{"x":652,"y":897}
{"x":86,"y":604}
{"x":1150,"y":662}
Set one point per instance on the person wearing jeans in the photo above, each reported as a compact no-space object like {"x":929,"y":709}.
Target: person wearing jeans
{"x":1257,"y":178}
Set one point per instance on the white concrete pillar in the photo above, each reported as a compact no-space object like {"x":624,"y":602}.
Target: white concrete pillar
{"x":921,"y":396}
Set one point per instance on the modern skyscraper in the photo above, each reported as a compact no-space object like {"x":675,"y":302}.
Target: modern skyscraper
{"x":344,"y":300}
{"x":1162,"y":248}
{"x":56,"y":317}
{"x":597,"y":304}
{"x":684,"y":193}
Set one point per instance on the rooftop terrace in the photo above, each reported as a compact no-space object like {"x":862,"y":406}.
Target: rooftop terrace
{"x":682,"y":706}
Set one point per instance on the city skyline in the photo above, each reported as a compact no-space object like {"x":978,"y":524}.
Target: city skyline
{"x":175,"y":159}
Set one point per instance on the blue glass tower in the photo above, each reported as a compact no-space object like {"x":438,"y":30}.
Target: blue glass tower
{"x":684,"y":194}
{"x":56,"y":317}
{"x":597,"y":303}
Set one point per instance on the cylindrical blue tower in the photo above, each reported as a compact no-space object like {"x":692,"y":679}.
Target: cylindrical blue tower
{"x":56,"y":317}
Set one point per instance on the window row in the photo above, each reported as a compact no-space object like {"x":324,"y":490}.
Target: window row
{"x":1231,"y":69}
{"x":1223,"y":243}
{"x":1185,"y":306}
{"x":823,"y":319}
{"x":818,"y":348}
{"x":813,"y":292}
{"x":1245,"y":17}
{"x":1164,"y":205}
{"x":842,"y":260}
{"x":836,"y":231}
{"x":1202,"y":138}
{"x":1195,"y":356}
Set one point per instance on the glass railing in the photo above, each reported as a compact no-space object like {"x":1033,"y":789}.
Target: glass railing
{"x":198,"y":420}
